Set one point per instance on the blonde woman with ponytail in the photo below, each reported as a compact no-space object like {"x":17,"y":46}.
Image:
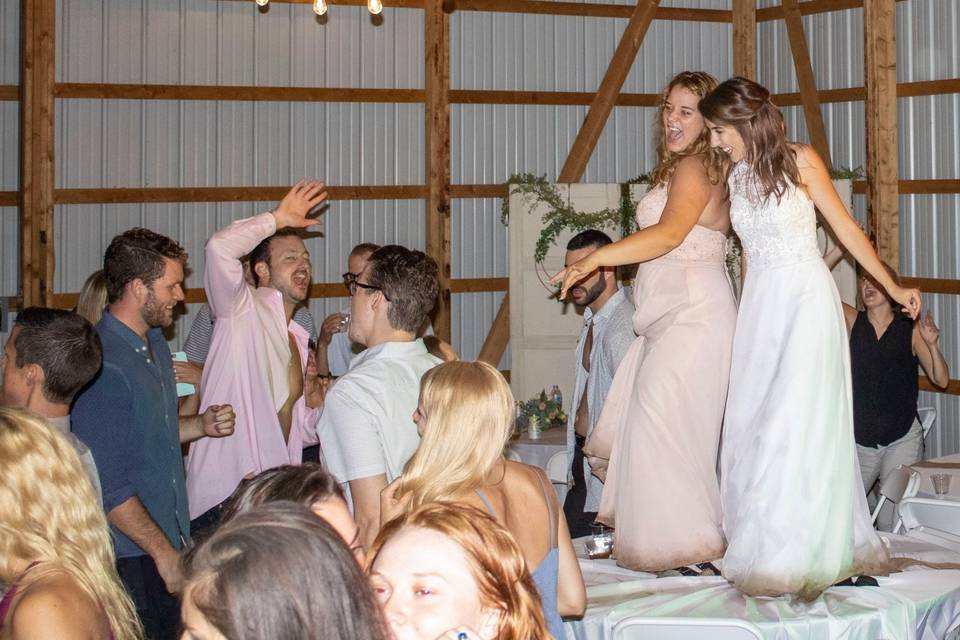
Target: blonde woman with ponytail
{"x":56,"y":557}
{"x":465,"y":418}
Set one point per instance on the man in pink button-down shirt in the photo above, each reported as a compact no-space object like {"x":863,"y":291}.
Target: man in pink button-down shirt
{"x":258,"y":355}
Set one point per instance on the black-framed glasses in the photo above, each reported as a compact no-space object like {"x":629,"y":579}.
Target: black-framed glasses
{"x":349,"y":277}
{"x":352,"y":288}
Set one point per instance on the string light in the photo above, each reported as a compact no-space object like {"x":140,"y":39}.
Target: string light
{"x":319,"y":7}
{"x":374,"y":6}
{"x":262,"y":3}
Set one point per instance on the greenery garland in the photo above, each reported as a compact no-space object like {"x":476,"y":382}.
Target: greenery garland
{"x":561,"y":216}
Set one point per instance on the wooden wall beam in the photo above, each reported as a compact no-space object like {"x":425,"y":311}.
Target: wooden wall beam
{"x":808,"y":86}
{"x":549,"y":7}
{"x":9,"y":93}
{"x":811,"y":7}
{"x":953,"y":387}
{"x":416,"y":96}
{"x":745,"y":38}
{"x":933,"y":285}
{"x":437,"y":162}
{"x":317,"y":290}
{"x":923,"y":187}
{"x":880,"y":110}
{"x":499,"y":335}
{"x":136,"y":195}
{"x":38,"y":28}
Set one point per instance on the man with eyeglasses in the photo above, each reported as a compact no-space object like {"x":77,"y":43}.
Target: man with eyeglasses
{"x":366,"y":431}
{"x":258,"y":355}
{"x":334,"y":348}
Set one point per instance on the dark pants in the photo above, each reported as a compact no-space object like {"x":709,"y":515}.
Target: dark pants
{"x":206,"y":523}
{"x":158,"y":610}
{"x":578,"y":520}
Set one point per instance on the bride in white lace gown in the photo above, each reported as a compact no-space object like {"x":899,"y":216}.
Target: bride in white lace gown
{"x":795,"y":516}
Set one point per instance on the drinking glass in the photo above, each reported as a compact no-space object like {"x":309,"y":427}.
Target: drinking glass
{"x":941,"y":483}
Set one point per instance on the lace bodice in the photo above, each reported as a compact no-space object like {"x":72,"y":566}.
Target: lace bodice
{"x":772,"y":233}
{"x":701,"y":244}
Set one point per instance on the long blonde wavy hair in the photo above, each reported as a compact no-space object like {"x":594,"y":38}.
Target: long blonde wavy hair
{"x":467,"y":419}
{"x":50,"y":514}
{"x":503,"y":578}
{"x":699,"y":84}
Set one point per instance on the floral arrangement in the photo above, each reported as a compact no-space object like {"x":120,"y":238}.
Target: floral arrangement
{"x":546,"y":409}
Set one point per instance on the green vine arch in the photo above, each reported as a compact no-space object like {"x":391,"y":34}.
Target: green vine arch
{"x":561,"y":216}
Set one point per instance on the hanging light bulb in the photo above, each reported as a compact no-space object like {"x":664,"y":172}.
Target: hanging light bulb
{"x":374,"y":6}
{"x":262,"y":3}
{"x":319,"y":7}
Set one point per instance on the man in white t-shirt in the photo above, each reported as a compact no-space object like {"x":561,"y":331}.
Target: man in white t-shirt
{"x":366,"y":431}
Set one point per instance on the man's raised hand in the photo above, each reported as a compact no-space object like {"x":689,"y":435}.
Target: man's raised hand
{"x":299,"y":201}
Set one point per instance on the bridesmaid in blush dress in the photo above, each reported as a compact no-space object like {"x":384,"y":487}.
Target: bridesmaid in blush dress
{"x":657,"y":437}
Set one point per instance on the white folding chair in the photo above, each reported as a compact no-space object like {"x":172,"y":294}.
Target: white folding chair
{"x":685,"y":629}
{"x":933,"y":520}
{"x":557,"y":472}
{"x":903,"y":482}
{"x":927,"y":416}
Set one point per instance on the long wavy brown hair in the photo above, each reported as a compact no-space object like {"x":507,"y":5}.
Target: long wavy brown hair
{"x":502,"y":576}
{"x":699,"y":84}
{"x":745,"y":105}
{"x":49,"y":513}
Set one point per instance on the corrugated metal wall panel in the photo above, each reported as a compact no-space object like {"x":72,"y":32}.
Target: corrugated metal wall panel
{"x":927,"y":47}
{"x":569,"y":53}
{"x":10,"y":43}
{"x":200,"y":143}
{"x":10,"y":159}
{"x":9,"y":251}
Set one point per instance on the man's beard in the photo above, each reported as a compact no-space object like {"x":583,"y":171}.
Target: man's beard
{"x":593,"y":292}
{"x":154,"y":313}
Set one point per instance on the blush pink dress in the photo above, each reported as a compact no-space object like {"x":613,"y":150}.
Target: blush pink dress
{"x":659,"y":431}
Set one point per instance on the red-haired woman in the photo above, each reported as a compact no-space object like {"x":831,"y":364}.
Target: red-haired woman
{"x":450,"y":570}
{"x":795,"y":515}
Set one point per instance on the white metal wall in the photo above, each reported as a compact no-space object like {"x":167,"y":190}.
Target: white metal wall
{"x":929,"y":146}
{"x":9,"y":151}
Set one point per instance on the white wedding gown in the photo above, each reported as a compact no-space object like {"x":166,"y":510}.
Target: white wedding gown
{"x":794,"y":513}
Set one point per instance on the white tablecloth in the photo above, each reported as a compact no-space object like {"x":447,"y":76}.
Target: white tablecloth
{"x":919,"y":603}
{"x":538,"y":452}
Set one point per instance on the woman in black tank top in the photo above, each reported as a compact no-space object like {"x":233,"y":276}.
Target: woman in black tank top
{"x":885,"y":349}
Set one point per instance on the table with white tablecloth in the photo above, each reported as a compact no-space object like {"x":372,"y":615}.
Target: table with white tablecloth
{"x":539,"y":451}
{"x":918,"y":603}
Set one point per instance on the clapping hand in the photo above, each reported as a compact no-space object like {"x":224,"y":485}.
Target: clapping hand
{"x":218,"y":420}
{"x":929,"y":330}
{"x":299,"y":201}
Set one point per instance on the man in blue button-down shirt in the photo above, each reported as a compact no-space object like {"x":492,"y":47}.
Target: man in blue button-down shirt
{"x":128,"y":418}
